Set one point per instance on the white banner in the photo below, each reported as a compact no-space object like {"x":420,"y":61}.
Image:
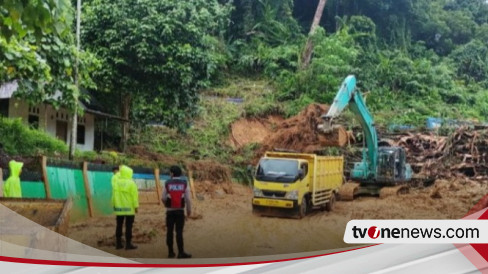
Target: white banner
{"x":416,"y":231}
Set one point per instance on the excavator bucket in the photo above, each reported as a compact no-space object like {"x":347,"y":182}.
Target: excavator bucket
{"x":333,"y":136}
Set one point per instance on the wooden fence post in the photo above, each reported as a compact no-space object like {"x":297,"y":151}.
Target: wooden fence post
{"x":87,"y":189}
{"x":158,"y":185}
{"x":45,"y":180}
{"x":192,"y":185}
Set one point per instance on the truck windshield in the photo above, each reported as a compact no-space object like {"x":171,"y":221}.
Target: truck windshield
{"x":277,"y":170}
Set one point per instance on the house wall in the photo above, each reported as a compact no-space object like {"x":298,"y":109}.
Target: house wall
{"x":48,"y":116}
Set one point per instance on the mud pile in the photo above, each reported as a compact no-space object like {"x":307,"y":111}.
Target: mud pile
{"x":206,"y":170}
{"x":255,"y":130}
{"x":210,"y":177}
{"x":299,"y":133}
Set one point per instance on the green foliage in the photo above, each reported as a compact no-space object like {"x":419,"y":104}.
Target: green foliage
{"x":205,"y":139}
{"x":262,"y":58}
{"x":293,"y":107}
{"x":259,"y":97}
{"x":363,"y":31}
{"x":37,"y":49}
{"x":19,"y":139}
{"x":160,"y":53}
{"x":397,"y":72}
{"x":271,"y":28}
{"x":216,"y":115}
{"x":162,"y":140}
{"x":262,"y":107}
{"x":20,"y":60}
{"x":269,"y":21}
{"x":482,"y":33}
{"x":209,"y":135}
{"x":333,"y":58}
{"x":18,"y":18}
{"x":56,"y":58}
{"x":471,"y":61}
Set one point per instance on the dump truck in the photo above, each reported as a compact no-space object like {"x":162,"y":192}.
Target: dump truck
{"x":290,"y":184}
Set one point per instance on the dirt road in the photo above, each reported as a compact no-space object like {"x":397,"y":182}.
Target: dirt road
{"x":228,"y":228}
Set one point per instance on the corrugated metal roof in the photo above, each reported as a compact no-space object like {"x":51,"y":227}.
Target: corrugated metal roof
{"x":8,"y":89}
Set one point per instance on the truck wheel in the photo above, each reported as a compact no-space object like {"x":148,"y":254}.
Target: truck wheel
{"x":303,"y":208}
{"x":329,"y":206}
{"x":255,"y":211}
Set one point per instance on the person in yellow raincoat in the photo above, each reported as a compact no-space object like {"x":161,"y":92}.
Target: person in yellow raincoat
{"x":125,"y":199}
{"x":116,"y":174}
{"x":11,"y":188}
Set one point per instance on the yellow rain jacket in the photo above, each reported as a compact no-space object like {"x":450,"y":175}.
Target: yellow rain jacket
{"x":11,"y":188}
{"x":125,"y":197}
{"x":115,"y":177}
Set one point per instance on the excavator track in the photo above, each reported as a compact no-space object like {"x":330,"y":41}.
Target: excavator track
{"x":394,"y":191}
{"x":348,"y":191}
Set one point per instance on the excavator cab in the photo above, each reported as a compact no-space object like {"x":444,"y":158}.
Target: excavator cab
{"x":392,"y":165}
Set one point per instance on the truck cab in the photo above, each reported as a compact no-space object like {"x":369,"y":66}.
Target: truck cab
{"x":288,"y":183}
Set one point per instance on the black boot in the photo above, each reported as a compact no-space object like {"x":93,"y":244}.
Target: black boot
{"x":184,"y":255}
{"x":171,"y":253}
{"x":118,"y":244}
{"x":129,"y":245}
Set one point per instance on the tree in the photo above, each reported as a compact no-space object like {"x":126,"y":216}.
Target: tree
{"x":37,"y":50}
{"x":307,"y":54}
{"x":18,"y":18}
{"x":471,"y":61}
{"x":156,"y":54}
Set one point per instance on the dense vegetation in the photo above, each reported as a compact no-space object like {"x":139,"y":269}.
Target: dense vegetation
{"x":19,"y":139}
{"x":37,"y":49}
{"x":154,"y":60}
{"x":425,"y":58}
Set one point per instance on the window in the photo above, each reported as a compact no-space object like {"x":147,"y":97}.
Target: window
{"x":304,"y":167}
{"x":277,"y":170}
{"x":4,"y":107}
{"x":80,"y":135}
{"x":33,"y":121}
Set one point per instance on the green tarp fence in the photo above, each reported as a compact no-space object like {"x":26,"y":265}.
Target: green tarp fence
{"x":33,"y":189}
{"x":68,"y":183}
{"x":101,"y":190}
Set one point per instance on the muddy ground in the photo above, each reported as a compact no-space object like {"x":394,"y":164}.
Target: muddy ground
{"x":227,"y":227}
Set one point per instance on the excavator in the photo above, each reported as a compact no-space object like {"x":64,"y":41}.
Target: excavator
{"x":383,"y":171}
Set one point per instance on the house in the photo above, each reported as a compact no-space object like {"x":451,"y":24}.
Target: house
{"x":56,"y":122}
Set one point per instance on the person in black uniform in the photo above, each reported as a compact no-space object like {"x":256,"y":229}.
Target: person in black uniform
{"x":176,"y":196}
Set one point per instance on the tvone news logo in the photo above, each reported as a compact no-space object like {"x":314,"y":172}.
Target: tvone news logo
{"x":416,"y":231}
{"x":373,"y":232}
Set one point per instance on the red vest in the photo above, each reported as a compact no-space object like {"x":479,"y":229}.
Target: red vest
{"x":176,"y":190}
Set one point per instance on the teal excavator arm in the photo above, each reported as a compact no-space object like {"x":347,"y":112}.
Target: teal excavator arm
{"x":349,"y":96}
